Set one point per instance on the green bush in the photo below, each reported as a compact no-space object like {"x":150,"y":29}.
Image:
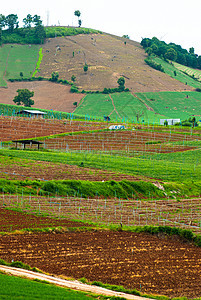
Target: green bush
{"x":154,"y":65}
{"x":73,"y":89}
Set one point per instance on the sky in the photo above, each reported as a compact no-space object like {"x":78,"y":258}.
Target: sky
{"x":176,"y":21}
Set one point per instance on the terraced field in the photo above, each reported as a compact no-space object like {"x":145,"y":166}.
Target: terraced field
{"x":14,"y":128}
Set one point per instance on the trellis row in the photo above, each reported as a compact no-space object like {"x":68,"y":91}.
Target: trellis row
{"x":127,"y":141}
{"x":23,"y":128}
{"x":185,"y":213}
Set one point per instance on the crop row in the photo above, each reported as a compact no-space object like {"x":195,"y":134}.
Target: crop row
{"x":184,"y":213}
{"x":127,"y":141}
{"x":23,"y":128}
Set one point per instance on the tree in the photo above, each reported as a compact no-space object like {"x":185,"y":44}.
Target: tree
{"x":126,"y":36}
{"x":85,"y":68}
{"x":21,"y":74}
{"x":40,"y":33}
{"x":27,"y":21}
{"x":36,"y":20}
{"x":121,"y":83}
{"x":171,"y":54}
{"x":77,"y":13}
{"x":79,"y":22}
{"x":73,"y":78}
{"x":192,"y":50}
{"x":2,"y":21}
{"x":24,"y":97}
{"x":12,"y":22}
{"x":75,"y":104}
{"x":55,"y":76}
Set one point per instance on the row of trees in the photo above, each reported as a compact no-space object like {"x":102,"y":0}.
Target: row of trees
{"x":33,"y":31}
{"x":172,"y":52}
{"x":11,"y":21}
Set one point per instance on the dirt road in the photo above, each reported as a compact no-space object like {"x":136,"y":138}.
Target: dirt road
{"x":76,"y":285}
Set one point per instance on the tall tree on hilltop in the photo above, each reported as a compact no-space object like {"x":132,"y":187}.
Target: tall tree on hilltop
{"x":2,"y":21}
{"x":12,"y":22}
{"x":77,"y":13}
{"x":36,"y":20}
{"x":27,"y":21}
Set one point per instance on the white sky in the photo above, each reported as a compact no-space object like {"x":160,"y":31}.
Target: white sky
{"x":176,"y":21}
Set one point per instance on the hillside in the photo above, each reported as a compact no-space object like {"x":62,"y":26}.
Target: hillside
{"x":108,"y":58}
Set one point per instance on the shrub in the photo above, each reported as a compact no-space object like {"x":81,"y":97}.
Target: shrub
{"x":73,"y":89}
{"x":154,"y":65}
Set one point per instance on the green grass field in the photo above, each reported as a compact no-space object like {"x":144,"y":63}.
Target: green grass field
{"x":127,"y":108}
{"x":180,"y":76}
{"x":179,"y":105}
{"x":179,"y":166}
{"x":15,"y":59}
{"x":19,"y":288}
{"x":191,"y":72}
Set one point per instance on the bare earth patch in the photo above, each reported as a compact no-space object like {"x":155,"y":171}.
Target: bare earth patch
{"x":47,"y":95}
{"x":156,"y":265}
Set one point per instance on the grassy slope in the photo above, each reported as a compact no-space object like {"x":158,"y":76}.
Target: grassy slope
{"x":181,"y":166}
{"x":191,"y":72}
{"x":174,"y":104}
{"x":127,"y":107}
{"x":19,"y":288}
{"x":16,"y":59}
{"x":170,"y":68}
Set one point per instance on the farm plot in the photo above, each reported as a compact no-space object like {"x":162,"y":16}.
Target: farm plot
{"x":17,"y":58}
{"x":179,"y":105}
{"x":14,"y":128}
{"x":15,"y":220}
{"x":184,"y":213}
{"x":123,"y":141}
{"x":146,"y":262}
{"x":20,"y":169}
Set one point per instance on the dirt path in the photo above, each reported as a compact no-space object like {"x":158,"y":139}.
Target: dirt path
{"x":114,"y":107}
{"x":68,"y":284}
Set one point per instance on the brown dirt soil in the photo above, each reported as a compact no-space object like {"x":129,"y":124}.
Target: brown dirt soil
{"x":47,"y":95}
{"x":14,"y":220}
{"x":14,"y":128}
{"x":20,"y":170}
{"x":157,"y":265}
{"x":108,"y":58}
{"x":128,"y":141}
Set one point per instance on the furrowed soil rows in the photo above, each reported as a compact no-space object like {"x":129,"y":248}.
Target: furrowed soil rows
{"x":133,"y":212}
{"x":156,"y":265}
{"x":14,"y":220}
{"x":14,"y":128}
{"x":127,"y":141}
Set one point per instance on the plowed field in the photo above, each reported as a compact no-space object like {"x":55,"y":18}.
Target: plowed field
{"x":127,"y":141}
{"x":14,"y":128}
{"x":157,"y":265}
{"x":14,"y":220}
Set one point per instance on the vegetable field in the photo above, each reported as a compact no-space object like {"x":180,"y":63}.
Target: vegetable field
{"x":16,"y":59}
{"x":78,"y":201}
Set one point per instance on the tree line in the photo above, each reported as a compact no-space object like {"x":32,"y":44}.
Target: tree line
{"x":33,"y":31}
{"x":171,"y":52}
